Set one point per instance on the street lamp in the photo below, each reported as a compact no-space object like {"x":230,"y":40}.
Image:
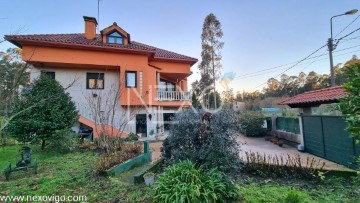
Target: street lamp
{"x":331,"y":44}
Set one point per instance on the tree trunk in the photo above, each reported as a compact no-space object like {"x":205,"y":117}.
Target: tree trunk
{"x":42,"y":144}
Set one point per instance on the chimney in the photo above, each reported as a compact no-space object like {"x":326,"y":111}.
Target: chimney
{"x":90,"y":27}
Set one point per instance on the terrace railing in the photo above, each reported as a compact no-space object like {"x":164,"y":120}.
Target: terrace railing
{"x":173,"y":96}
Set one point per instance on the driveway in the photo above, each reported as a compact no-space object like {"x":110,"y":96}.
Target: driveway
{"x":261,"y":146}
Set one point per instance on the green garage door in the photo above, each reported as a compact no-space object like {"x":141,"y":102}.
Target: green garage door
{"x":326,"y":136}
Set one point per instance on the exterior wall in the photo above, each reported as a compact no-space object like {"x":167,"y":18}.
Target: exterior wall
{"x":70,"y":58}
{"x":170,"y":67}
{"x":239,"y":106}
{"x":71,"y":65}
{"x":75,"y":80}
{"x":77,"y":90}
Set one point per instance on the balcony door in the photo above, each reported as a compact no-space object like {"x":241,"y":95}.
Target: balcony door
{"x":166,"y":86}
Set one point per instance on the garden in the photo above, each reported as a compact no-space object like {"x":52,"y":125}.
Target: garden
{"x":183,"y":176}
{"x":200,"y":160}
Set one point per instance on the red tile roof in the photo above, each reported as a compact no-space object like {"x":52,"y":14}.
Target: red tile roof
{"x":79,"y":39}
{"x":315,"y":98}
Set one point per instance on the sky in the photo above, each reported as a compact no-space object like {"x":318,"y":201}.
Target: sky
{"x":258,"y":34}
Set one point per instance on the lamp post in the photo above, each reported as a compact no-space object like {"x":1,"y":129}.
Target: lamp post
{"x":331,"y":45}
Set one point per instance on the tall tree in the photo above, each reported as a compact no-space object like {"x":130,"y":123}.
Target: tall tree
{"x":228,"y":97}
{"x":211,"y":48}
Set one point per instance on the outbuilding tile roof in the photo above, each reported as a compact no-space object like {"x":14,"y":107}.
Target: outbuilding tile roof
{"x":317,"y":97}
{"x":79,"y":39}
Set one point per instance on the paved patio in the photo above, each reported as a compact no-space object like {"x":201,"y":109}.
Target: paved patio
{"x":261,"y":146}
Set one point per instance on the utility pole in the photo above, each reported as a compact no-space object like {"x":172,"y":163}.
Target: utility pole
{"x":331,"y":48}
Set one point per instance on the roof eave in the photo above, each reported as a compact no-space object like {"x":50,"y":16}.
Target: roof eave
{"x":8,"y":38}
{"x":21,"y":42}
{"x":309,"y":104}
{"x":189,"y":61}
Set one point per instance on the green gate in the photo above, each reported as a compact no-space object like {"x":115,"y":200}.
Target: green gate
{"x":326,"y":136}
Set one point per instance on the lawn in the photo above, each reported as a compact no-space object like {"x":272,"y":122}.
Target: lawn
{"x":64,"y":174}
{"x":72,"y":174}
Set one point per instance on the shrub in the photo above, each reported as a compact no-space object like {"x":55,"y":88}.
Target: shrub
{"x":41,"y":112}
{"x":66,"y":141}
{"x":211,"y":145}
{"x":282,"y":166}
{"x":183,"y":182}
{"x":131,"y":137}
{"x":127,"y":151}
{"x":350,"y":105}
{"x":250,"y":124}
{"x":108,"y":144}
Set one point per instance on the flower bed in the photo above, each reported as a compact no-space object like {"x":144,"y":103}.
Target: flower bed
{"x":138,"y":160}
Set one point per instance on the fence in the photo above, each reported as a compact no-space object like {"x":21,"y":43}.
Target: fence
{"x":326,"y":136}
{"x":288,"y":124}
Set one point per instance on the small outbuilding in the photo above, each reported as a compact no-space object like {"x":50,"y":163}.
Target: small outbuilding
{"x":324,"y":136}
{"x":307,"y":100}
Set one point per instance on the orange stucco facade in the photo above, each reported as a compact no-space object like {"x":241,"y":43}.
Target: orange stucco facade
{"x":160,"y":82}
{"x":176,"y":72}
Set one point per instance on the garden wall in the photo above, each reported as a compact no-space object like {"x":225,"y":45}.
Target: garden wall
{"x":140,"y":160}
{"x":287,"y":128}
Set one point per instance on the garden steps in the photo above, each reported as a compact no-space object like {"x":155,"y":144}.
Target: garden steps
{"x":128,"y":176}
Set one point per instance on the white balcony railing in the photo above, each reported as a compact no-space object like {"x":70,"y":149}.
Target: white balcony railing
{"x":173,"y":96}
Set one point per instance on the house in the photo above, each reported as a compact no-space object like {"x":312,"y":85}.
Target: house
{"x":238,"y":106}
{"x":119,"y":85}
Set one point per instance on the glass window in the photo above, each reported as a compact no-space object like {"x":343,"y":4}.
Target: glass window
{"x":115,"y":38}
{"x":166,"y":85}
{"x":95,"y":80}
{"x":50,"y":74}
{"x":130,"y":79}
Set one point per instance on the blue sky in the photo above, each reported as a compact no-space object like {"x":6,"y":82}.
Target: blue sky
{"x":258,"y":34}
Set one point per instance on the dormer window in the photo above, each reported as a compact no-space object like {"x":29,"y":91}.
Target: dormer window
{"x":115,"y":38}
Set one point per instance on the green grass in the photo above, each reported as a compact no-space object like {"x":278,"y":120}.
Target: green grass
{"x":64,"y":174}
{"x":72,"y":174}
{"x":331,"y":190}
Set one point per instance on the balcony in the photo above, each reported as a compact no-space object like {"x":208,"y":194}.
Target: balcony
{"x":173,"y":96}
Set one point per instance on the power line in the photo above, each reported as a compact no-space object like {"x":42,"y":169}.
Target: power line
{"x":309,"y":64}
{"x":277,"y":67}
{"x":348,"y":34}
{"x":347,"y":26}
{"x":294,"y":65}
{"x":345,"y":40}
{"x":307,"y":57}
{"x":326,"y":58}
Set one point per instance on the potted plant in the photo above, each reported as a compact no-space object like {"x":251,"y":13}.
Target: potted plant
{"x":152,"y":133}
{"x":149,"y":178}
